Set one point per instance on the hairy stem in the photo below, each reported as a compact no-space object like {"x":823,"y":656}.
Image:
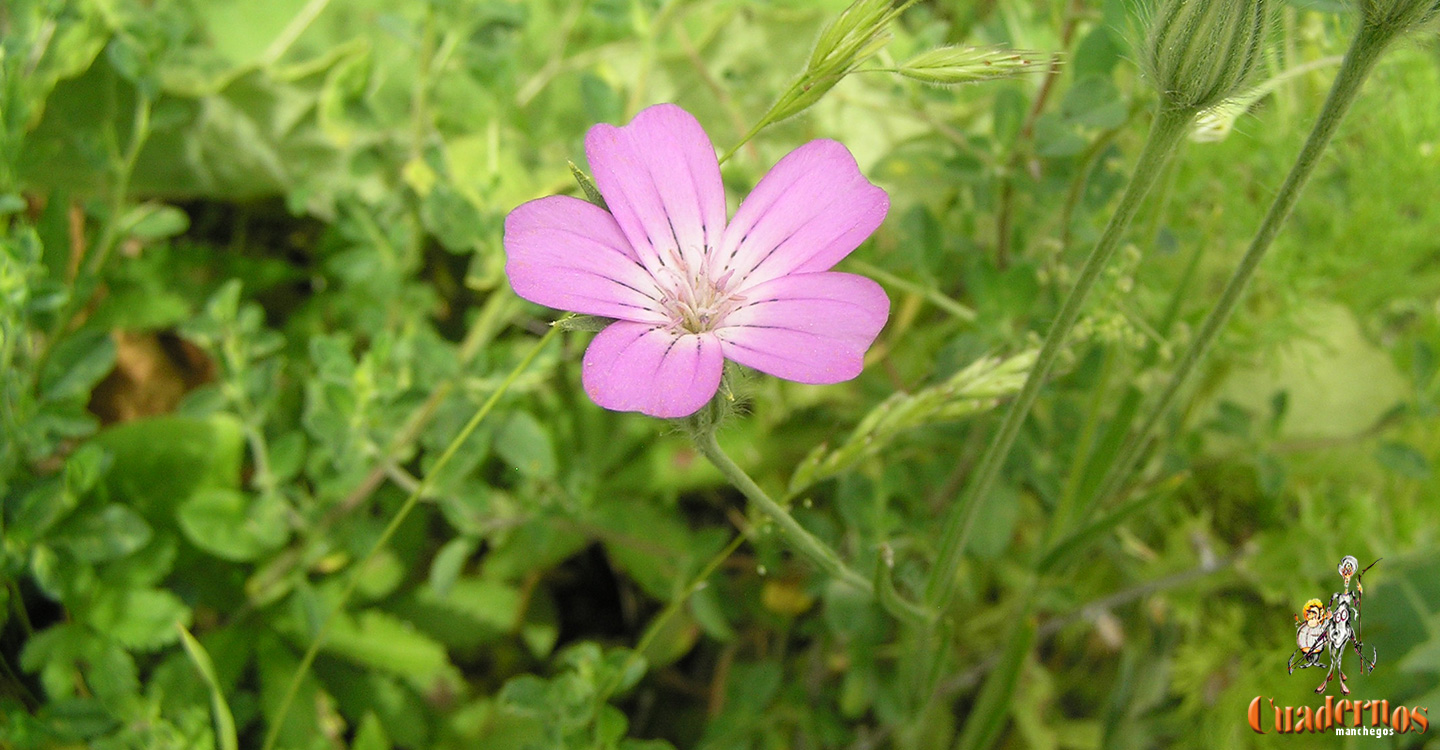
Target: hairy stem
{"x":1365,"y":50}
{"x":819,"y":553}
{"x":1165,"y":134}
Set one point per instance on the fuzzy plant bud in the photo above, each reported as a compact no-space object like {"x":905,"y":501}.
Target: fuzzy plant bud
{"x":1200,"y":52}
{"x":1398,"y":16}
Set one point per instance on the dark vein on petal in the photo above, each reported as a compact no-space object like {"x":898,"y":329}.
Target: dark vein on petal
{"x":819,"y":214}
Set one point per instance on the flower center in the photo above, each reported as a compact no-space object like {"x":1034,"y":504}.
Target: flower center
{"x":694,"y":298}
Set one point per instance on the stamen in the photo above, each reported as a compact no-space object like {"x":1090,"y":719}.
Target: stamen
{"x":691,"y":298}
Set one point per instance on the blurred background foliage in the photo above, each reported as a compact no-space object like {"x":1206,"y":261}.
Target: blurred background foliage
{"x":252,"y":283}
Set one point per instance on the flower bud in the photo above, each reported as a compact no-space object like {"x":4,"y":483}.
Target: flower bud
{"x":1398,"y":15}
{"x":1199,"y":52}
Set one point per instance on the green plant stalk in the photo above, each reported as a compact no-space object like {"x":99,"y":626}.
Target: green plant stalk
{"x":930,"y":293}
{"x":125,"y":170}
{"x":89,"y":270}
{"x":409,"y":505}
{"x":1084,"y":447}
{"x":801,"y":540}
{"x":293,"y":31}
{"x":657,"y":625}
{"x":1108,"y":445}
{"x":224,"y":721}
{"x":1166,"y":132}
{"x":1365,"y":50}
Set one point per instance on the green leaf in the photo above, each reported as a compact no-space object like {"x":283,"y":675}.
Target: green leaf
{"x":706,"y":609}
{"x":14,"y":203}
{"x":541,"y":629}
{"x":231,"y":525}
{"x":225,"y":738}
{"x":1097,"y":54}
{"x":62,"y":651}
{"x":454,"y":220}
{"x":1080,"y":540}
{"x":1094,"y":102}
{"x":1403,"y":460}
{"x":108,"y":533}
{"x":1424,"y":657}
{"x":163,"y":461}
{"x":287,"y":456}
{"x":155,"y":221}
{"x":85,"y":467}
{"x":77,"y":364}
{"x":526,"y":695}
{"x":487,"y":602}
{"x":525,"y":444}
{"x":381,"y":641}
{"x":60,"y":575}
{"x":371,"y":735}
{"x":993,"y":704}
{"x":1009,"y":116}
{"x":448,"y":562}
{"x":1056,"y":137}
{"x":36,"y":511}
{"x":995,"y":521}
{"x":139,"y":619}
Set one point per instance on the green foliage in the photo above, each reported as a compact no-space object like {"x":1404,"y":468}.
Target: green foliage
{"x":252,"y":288}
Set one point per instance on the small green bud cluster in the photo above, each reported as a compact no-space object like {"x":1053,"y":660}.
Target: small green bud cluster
{"x":949,"y":66}
{"x":1109,"y":326}
{"x":1398,"y":16}
{"x":1199,"y":53}
{"x":976,"y":388}
{"x":851,"y":39}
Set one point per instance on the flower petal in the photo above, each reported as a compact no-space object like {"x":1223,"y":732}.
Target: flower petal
{"x":650,"y":369}
{"x":810,"y":328}
{"x":810,"y":211}
{"x":660,"y":178}
{"x":565,"y":253}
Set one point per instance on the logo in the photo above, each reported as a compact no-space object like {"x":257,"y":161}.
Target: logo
{"x":1346,"y":717}
{"x":1324,"y":633}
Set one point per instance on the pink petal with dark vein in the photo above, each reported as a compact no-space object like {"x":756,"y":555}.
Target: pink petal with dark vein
{"x":660,"y":178}
{"x":568,"y":254}
{"x":810,"y":328}
{"x":810,"y":211}
{"x":652,"y":370}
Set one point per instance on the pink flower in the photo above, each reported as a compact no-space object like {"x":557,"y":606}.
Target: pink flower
{"x":688,"y":289}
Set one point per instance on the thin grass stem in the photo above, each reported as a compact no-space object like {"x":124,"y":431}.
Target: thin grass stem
{"x":416,"y":494}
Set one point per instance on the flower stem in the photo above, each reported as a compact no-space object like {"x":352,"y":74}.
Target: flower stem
{"x":1365,"y":50}
{"x":409,"y":505}
{"x":819,"y":553}
{"x":1166,"y":131}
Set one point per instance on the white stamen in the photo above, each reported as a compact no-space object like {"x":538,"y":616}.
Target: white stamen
{"x":694,"y":301}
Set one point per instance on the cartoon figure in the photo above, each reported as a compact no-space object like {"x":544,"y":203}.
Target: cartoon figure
{"x":1344,"y":624}
{"x":1311,"y":636}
